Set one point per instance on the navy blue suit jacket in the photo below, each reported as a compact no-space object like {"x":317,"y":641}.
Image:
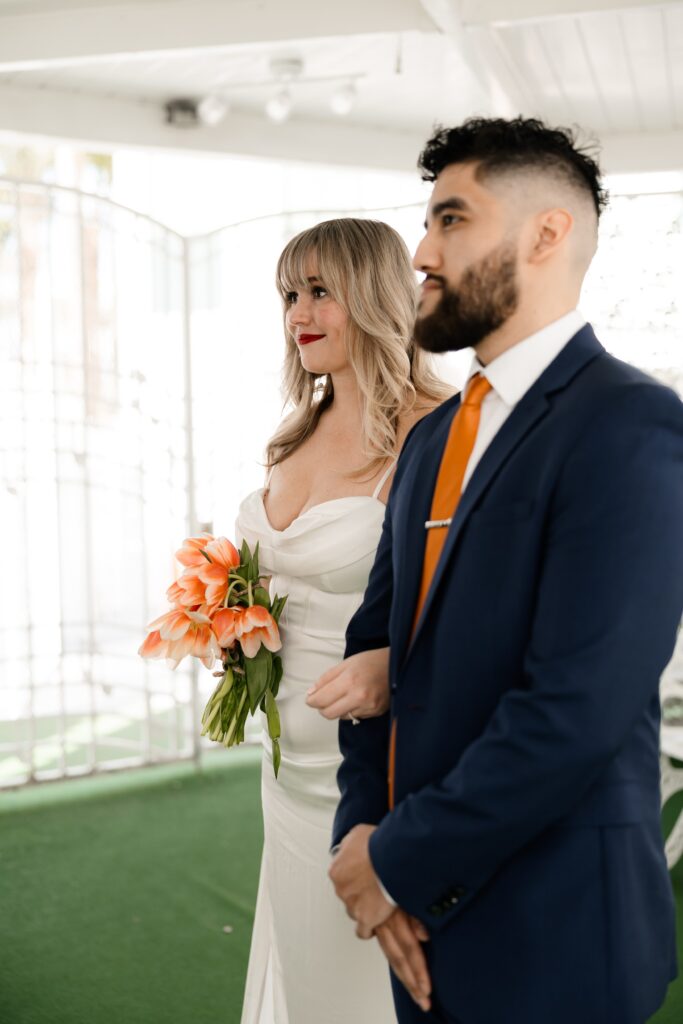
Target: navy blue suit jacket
{"x":526,"y":831}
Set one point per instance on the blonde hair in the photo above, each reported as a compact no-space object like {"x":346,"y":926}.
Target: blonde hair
{"x":365,"y":267}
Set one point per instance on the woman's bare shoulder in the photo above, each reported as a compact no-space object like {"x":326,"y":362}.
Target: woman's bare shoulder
{"x":422,"y":408}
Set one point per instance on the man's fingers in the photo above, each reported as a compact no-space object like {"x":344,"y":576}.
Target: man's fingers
{"x":419,"y":929}
{"x":401,"y":963}
{"x":412,"y":950}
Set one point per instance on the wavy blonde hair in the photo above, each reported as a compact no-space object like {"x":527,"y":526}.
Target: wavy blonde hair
{"x":365,"y":267}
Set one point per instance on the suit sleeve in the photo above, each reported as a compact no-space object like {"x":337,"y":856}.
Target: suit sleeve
{"x":609,"y":601}
{"x":362,"y":776}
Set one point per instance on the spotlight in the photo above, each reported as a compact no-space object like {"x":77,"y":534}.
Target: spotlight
{"x":211,"y":110}
{"x":181,"y":113}
{"x":279,"y":106}
{"x":342,"y":100}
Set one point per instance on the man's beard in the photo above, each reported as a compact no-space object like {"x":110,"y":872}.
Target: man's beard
{"x":488,"y":294}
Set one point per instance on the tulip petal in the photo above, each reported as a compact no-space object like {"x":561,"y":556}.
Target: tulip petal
{"x":250,"y":643}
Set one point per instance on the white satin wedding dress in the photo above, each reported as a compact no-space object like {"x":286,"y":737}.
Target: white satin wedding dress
{"x":306,"y":964}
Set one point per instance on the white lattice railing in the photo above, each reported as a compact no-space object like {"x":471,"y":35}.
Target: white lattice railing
{"x":99,"y":479}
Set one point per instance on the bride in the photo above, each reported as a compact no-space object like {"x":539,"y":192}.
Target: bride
{"x":357,"y":385}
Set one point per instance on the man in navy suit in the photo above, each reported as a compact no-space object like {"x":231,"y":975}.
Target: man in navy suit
{"x":516,"y":875}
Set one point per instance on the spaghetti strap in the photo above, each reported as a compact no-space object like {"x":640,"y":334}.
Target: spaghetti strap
{"x":385,"y":476}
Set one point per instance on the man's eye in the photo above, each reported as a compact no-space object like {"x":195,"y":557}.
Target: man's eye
{"x":449,"y":218}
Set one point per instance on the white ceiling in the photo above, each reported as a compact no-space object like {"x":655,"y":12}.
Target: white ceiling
{"x":101,"y":72}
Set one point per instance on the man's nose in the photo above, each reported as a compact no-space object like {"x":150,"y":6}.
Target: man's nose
{"x":426,"y":257}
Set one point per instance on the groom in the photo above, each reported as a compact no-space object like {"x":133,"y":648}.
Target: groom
{"x":529,"y":583}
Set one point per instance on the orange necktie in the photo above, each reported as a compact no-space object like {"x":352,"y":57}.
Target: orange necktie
{"x":456,"y":455}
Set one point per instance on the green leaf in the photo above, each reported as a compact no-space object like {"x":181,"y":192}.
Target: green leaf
{"x":254,"y":559}
{"x":278,"y":605}
{"x":257,"y":670}
{"x":273,"y":716}
{"x":276,"y":674}
{"x":261,"y":597}
{"x":245,"y":553}
{"x":276,"y":756}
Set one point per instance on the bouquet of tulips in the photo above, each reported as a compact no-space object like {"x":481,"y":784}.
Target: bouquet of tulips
{"x":220,"y":610}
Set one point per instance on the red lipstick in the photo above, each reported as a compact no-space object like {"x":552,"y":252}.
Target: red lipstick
{"x":306,"y":339}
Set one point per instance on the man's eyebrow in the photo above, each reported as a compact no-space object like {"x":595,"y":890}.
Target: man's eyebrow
{"x":452,"y":203}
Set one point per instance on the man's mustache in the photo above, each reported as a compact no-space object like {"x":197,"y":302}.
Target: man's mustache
{"x":441,"y":281}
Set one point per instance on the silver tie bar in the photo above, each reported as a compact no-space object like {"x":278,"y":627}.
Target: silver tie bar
{"x":431,"y":524}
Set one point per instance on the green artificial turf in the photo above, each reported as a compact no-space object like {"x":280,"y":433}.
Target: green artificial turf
{"x":115,"y":892}
{"x":114,"y":896}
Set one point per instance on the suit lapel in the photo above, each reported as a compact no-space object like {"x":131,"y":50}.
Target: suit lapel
{"x":580,"y":350}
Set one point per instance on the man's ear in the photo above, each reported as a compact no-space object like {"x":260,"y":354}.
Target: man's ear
{"x":550,"y":231}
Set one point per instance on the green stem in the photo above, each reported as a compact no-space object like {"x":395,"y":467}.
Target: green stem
{"x":235,"y":722}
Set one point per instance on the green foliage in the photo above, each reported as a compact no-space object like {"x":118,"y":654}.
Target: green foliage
{"x":257,"y":671}
{"x":247,"y":683}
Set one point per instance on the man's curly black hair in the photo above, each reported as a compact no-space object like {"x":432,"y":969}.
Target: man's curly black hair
{"x":496,"y":144}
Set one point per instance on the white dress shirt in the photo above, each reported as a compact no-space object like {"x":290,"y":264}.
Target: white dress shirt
{"x":511,"y":375}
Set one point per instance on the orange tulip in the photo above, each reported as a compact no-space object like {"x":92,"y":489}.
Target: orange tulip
{"x":181,"y":632}
{"x":224,"y":624}
{"x":224,"y":557}
{"x":188,"y":590}
{"x":191,"y":552}
{"x":251,"y":627}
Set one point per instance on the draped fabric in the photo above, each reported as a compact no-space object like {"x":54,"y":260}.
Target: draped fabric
{"x":306,"y":964}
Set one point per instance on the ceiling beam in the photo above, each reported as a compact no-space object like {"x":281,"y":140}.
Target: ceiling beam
{"x":478,"y":50}
{"x":639,"y":152}
{"x":67,"y":35}
{"x":106,"y":123}
{"x":509,"y":12}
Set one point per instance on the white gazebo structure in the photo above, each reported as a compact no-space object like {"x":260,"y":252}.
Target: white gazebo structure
{"x":112,"y":429}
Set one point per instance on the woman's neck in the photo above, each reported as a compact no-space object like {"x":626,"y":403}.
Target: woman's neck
{"x":346,"y":406}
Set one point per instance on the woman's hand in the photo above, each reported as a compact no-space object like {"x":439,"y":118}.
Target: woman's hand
{"x":356,"y":688}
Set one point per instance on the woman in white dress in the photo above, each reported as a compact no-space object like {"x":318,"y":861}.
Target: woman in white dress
{"x":357,"y":384}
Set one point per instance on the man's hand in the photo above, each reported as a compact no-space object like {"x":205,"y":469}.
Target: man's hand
{"x":355,"y":882}
{"x":355,"y":688}
{"x":400,"y":937}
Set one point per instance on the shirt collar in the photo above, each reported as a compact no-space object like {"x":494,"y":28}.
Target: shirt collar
{"x":516,"y":370}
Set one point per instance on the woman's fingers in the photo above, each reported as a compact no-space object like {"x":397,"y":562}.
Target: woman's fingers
{"x":326,"y":694}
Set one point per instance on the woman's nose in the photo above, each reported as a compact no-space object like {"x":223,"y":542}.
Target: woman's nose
{"x":299,"y":312}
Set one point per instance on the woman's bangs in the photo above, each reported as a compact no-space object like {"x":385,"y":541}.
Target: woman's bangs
{"x":291,"y":270}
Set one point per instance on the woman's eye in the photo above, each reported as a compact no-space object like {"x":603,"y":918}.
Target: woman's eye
{"x":290,"y":298}
{"x":318,"y":292}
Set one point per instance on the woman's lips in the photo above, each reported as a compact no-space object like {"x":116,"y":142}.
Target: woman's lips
{"x":306,"y":339}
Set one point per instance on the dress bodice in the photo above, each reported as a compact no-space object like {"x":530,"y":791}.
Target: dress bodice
{"x":322,"y":561}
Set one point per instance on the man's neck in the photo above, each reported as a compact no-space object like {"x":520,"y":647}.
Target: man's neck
{"x":521,"y":325}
